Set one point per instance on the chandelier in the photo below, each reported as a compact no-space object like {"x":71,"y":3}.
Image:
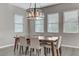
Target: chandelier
{"x":34,"y":12}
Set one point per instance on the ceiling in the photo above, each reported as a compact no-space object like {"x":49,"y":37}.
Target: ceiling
{"x":26,"y":5}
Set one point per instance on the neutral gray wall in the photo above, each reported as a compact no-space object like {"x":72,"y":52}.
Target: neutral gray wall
{"x":68,"y":38}
{"x":7,"y":13}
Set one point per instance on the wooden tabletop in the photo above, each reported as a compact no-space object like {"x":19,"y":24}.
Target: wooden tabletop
{"x":41,"y":40}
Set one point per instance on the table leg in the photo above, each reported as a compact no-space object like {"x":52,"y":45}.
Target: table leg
{"x":15,"y":45}
{"x":45,"y":51}
{"x":52,"y":48}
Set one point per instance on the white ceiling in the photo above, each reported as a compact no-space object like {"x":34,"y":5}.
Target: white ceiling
{"x":26,"y":5}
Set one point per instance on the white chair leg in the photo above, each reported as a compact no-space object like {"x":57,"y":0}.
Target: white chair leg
{"x":55,"y":51}
{"x":42,"y":52}
{"x":36,"y":52}
{"x":58,"y":52}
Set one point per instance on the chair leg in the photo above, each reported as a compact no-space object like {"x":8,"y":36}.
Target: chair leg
{"x":49,"y":50}
{"x":17,"y":46}
{"x":45,"y":51}
{"x":33,"y":51}
{"x":57,"y":52}
{"x":30,"y":51}
{"x":14,"y":48}
{"x":20,"y":50}
{"x":26,"y":50}
{"x":60,"y":51}
{"x":37,"y":51}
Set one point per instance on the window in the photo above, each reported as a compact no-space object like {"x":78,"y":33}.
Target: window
{"x":18,"y":23}
{"x":71,"y":22}
{"x":53,"y":23}
{"x":39,"y":25}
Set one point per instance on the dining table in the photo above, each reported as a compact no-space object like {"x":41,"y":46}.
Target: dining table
{"x":40,"y":40}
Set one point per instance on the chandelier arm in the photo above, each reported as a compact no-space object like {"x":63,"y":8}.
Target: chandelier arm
{"x":35,"y":10}
{"x":30,"y":7}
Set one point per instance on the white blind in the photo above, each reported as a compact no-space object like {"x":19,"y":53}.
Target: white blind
{"x":53,"y":23}
{"x":71,"y":22}
{"x":18,"y":23}
{"x":39,"y":25}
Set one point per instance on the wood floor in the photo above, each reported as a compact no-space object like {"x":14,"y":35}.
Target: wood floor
{"x":65,"y":52}
{"x":9,"y":52}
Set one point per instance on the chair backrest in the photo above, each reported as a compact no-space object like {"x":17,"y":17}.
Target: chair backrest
{"x":52,"y":38}
{"x":47,"y":37}
{"x":34,"y":43}
{"x":41,"y":37}
{"x":55,"y":38}
{"x":23,"y":41}
{"x":59,"y":42}
{"x":20,"y":34}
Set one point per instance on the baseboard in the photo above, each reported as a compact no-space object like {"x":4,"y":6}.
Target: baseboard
{"x":63,"y":45}
{"x":6,"y":46}
{"x":69,"y":46}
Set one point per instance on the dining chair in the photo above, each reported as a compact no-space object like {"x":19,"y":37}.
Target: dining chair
{"x":23,"y":44}
{"x":42,"y":44}
{"x":58,"y":46}
{"x":34,"y":47}
{"x":41,"y":37}
{"x":16,"y":36}
{"x":48,"y":47}
{"x":16,"y":44}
